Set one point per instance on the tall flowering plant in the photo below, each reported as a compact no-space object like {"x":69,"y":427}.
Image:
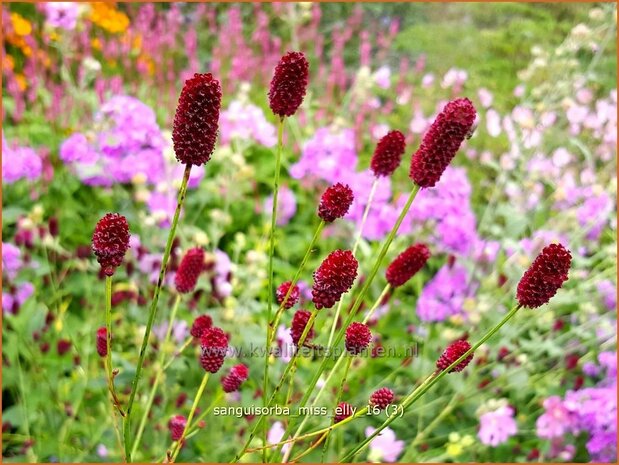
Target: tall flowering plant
{"x":194,"y":137}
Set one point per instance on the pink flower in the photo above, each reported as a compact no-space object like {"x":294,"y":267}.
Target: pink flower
{"x":385,"y":447}
{"x":555,"y":421}
{"x":485,"y":97}
{"x":275,"y":435}
{"x":497,"y":426}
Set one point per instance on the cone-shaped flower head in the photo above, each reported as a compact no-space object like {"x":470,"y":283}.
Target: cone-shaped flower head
{"x":442,"y":141}
{"x":388,"y":154}
{"x":281,"y":292}
{"x":110,"y":241}
{"x":334,"y":277}
{"x":335,"y":202}
{"x":299,"y":322}
{"x":214,"y":343}
{"x":381,"y":398}
{"x":358,"y":337}
{"x":233,"y":380}
{"x":189,"y":270}
{"x":176,"y":425}
{"x":452,"y":353}
{"x":544,"y":277}
{"x":102,"y":341}
{"x":200,"y":324}
{"x":289,"y":84}
{"x":197,"y":120}
{"x":407,"y":264}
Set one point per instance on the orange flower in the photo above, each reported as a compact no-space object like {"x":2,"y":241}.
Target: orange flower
{"x":106,"y":16}
{"x":21,"y":82}
{"x":21,"y":25}
{"x":8,"y":63}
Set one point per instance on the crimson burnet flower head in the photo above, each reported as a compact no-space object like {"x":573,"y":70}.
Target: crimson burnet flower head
{"x":335,"y":202}
{"x":381,"y":398}
{"x":342,"y":411}
{"x":189,"y":270}
{"x":281,"y":292}
{"x":388,"y":154}
{"x":334,"y":277}
{"x":407,"y":264}
{"x":452,"y":353}
{"x":214,"y":343}
{"x":233,"y":380}
{"x":63,"y":346}
{"x":358,"y":337}
{"x":289,"y":84}
{"x":197,"y":120}
{"x":442,"y":141}
{"x":102,"y":341}
{"x":176,"y":425}
{"x":200,"y":324}
{"x":110,"y":241}
{"x":240,"y":371}
{"x":299,"y":322}
{"x":544,"y":277}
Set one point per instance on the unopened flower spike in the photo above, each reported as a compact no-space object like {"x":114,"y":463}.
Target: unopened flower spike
{"x":189,"y":270}
{"x":289,"y":84}
{"x":407,"y":264}
{"x":442,"y":141}
{"x":214,"y":343}
{"x":110,"y":241}
{"x":196,"y":121}
{"x":334,"y":277}
{"x":544,"y":277}
{"x":388,"y":154}
{"x":335,"y":202}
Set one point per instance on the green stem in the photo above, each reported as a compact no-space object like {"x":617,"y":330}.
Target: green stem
{"x":153,"y":311}
{"x":179,"y":352}
{"x":427,"y":384}
{"x":335,"y":367}
{"x":108,"y":343}
{"x":270,"y":330}
{"x":327,"y":429}
{"x":289,"y":366}
{"x":354,"y":251}
{"x":218,"y":397}
{"x":273,"y":323}
{"x":192,"y":412}
{"x":290,"y":385}
{"x":295,"y":279}
{"x":360,"y":298}
{"x":158,"y":377}
{"x":338,"y":396}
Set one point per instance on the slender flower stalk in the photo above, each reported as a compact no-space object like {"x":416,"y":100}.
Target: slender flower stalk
{"x":193,"y":429}
{"x":358,"y":301}
{"x":158,"y":377}
{"x":287,"y":370}
{"x":108,"y":342}
{"x":271,"y":330}
{"x":430,"y":381}
{"x":153,"y":311}
{"x":538,"y":285}
{"x":354,"y":252}
{"x":192,"y":412}
{"x":186,"y":344}
{"x":273,"y":323}
{"x":340,"y":359}
{"x":327,"y":429}
{"x":338,"y":397}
